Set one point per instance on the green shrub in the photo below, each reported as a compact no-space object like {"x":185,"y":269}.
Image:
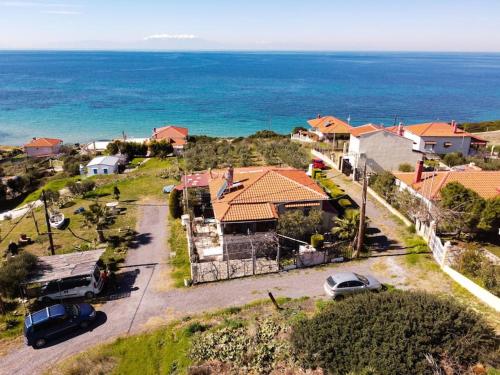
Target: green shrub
{"x":14,"y":272}
{"x":174,"y":204}
{"x":317,"y":241}
{"x":344,"y":202}
{"x":454,"y":158}
{"x":405,"y":167}
{"x":392,"y":333}
{"x":161,"y":149}
{"x":384,"y":184}
{"x":80,"y":187}
{"x":195,"y":327}
{"x":469,"y":262}
{"x":490,"y":277}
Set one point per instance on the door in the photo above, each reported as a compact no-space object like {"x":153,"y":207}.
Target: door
{"x":58,"y":326}
{"x":343,"y":288}
{"x":357,"y":286}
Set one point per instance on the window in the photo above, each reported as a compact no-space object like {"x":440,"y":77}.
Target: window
{"x":94,"y":170}
{"x":105,"y":170}
{"x":345,"y":284}
{"x":355,"y":284}
{"x":447,"y":144}
{"x":330,"y":281}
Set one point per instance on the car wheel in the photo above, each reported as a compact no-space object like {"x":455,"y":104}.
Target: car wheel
{"x":84,"y":325}
{"x":39,"y":343}
{"x":89,"y":295}
{"x":339,"y":297}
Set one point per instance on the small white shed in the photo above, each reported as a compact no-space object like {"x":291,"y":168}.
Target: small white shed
{"x":103,"y":165}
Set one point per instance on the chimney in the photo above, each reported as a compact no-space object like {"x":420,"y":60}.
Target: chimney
{"x":229,"y":176}
{"x":400,"y":129}
{"x":454,"y":126}
{"x":418,"y":171}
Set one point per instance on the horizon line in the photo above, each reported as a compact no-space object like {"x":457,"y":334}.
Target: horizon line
{"x":3,"y":49}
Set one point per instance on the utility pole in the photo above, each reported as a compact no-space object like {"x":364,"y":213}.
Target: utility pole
{"x":34,"y":220}
{"x":49,"y":232}
{"x":362,"y":218}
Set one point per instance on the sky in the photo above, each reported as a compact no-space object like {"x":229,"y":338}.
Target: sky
{"x":337,"y":25}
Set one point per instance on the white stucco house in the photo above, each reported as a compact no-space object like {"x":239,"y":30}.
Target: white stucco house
{"x":440,"y":138}
{"x":382,"y":150}
{"x":103,"y":165}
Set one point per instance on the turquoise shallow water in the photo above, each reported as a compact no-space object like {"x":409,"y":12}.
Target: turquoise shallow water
{"x":81,"y":96}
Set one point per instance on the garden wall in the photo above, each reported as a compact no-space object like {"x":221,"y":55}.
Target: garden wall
{"x":440,"y":253}
{"x":475,"y":289}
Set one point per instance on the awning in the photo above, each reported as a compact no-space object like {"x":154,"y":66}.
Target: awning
{"x":430,"y":142}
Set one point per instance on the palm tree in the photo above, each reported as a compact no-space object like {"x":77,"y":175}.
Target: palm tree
{"x":346,"y":228}
{"x":98,"y":217}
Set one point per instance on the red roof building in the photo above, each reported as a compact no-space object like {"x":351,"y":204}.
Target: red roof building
{"x":43,"y":147}
{"x":176,"y":135}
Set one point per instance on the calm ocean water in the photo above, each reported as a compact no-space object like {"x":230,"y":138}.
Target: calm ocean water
{"x":82,"y":96}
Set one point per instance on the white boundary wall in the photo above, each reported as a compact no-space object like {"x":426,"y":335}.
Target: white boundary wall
{"x":440,"y":251}
{"x":481,"y":293}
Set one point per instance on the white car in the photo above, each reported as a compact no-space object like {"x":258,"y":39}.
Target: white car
{"x":346,"y":283}
{"x":86,"y":286}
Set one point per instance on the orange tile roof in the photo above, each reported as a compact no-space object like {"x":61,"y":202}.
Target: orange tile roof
{"x":368,"y":128}
{"x":329,"y":125}
{"x":170,"y":132}
{"x":485,"y":183}
{"x":260,"y":189}
{"x":436,"y":129}
{"x":43,"y":142}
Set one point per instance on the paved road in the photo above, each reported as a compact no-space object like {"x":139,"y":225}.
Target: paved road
{"x":151,"y":301}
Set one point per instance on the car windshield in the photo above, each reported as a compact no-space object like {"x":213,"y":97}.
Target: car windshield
{"x":330,"y":281}
{"x":363,"y":279}
{"x":97,"y":274}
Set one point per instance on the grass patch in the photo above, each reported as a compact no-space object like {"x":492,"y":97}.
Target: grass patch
{"x":136,"y":162}
{"x":181,"y":268}
{"x":55,"y":183}
{"x":164,"y":351}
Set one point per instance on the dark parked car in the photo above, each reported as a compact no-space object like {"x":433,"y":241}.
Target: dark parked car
{"x":55,"y":321}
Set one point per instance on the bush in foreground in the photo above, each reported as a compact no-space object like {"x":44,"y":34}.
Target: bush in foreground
{"x":392,"y":333}
{"x":14,"y":272}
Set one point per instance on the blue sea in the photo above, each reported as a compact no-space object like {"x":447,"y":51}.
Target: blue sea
{"x":83,"y":96}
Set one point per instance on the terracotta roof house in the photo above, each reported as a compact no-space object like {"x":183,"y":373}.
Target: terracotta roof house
{"x":261,"y":193}
{"x":174,"y":134}
{"x":427,"y":185}
{"x":330,"y":129}
{"x":248,"y":201}
{"x":440,"y":138}
{"x":379,"y":149}
{"x":43,"y":147}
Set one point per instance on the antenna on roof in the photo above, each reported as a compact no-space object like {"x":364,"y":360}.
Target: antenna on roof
{"x":349,"y":119}
{"x":395,"y":120}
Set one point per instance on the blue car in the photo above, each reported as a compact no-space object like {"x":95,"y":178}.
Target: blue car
{"x":55,"y":321}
